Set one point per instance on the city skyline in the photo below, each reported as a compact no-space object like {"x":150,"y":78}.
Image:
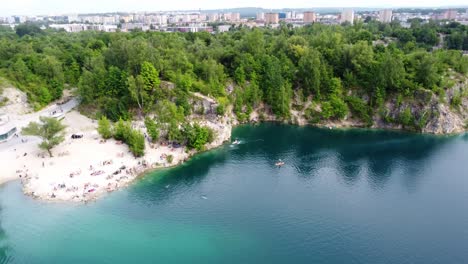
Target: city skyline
{"x":43,"y":7}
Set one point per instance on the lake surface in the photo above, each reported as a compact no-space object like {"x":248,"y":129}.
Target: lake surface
{"x":349,"y":196}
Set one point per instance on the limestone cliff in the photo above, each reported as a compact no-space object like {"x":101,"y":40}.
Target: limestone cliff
{"x":427,"y":112}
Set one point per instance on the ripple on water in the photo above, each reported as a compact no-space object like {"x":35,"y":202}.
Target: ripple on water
{"x":342,"y":197}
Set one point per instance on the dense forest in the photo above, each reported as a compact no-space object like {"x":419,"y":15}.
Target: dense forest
{"x":344,"y":68}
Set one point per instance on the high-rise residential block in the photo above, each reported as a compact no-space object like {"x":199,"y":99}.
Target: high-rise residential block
{"x":347,"y":16}
{"x":385,"y":16}
{"x":271,"y":18}
{"x":261,"y":16}
{"x":309,"y":17}
{"x":450,"y":14}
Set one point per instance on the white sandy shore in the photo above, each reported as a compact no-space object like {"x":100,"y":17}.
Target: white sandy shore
{"x":83,"y":169}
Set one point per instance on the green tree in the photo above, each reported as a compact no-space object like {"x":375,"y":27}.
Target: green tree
{"x":116,"y":82}
{"x":151,"y":82}
{"x":222,"y":105}
{"x":276,"y":90}
{"x":335,"y":107}
{"x":167,"y":111}
{"x":152,"y":129}
{"x":174,"y":133}
{"x":50,"y":130}
{"x":137,"y":91}
{"x":406,"y":118}
{"x":309,"y":72}
{"x":197,"y":136}
{"x":391,"y":72}
{"x":122,"y":130}
{"x":427,"y":73}
{"x":27,"y":29}
{"x":20,"y":71}
{"x":104,"y":128}
{"x":136,"y":143}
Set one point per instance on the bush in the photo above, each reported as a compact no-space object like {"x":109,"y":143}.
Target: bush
{"x":173,"y":133}
{"x":122,"y":130}
{"x":327,"y":110}
{"x":170,"y":159}
{"x":133,"y":138}
{"x":406,"y":118}
{"x":340,"y":108}
{"x":211,"y":135}
{"x":198,"y":136}
{"x":385,"y":113}
{"x":422,"y":121}
{"x":136,"y":143}
{"x":312,"y":115}
{"x":104,"y":128}
{"x":222,"y":105}
{"x":152,"y":129}
{"x":360,"y":109}
{"x":221,"y":109}
{"x":456,"y":100}
{"x":335,"y":108}
{"x":182,"y":101}
{"x":3,"y":101}
{"x":242,"y":117}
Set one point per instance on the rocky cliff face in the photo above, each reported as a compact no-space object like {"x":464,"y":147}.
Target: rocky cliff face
{"x":431,"y":114}
{"x":426,"y":113}
{"x":452,"y":118}
{"x":447,"y":122}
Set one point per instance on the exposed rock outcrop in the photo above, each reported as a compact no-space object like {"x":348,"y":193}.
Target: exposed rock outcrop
{"x":425,"y":112}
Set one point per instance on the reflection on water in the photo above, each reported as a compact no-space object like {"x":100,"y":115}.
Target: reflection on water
{"x":182,"y":177}
{"x":4,"y":248}
{"x":343,"y":196}
{"x":377,"y":154}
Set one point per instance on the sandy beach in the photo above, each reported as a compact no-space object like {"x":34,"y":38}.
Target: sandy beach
{"x":83,"y":169}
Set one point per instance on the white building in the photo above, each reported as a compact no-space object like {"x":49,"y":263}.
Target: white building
{"x":129,"y":27}
{"x":271,"y":18}
{"x":261,"y":16}
{"x":73,"y":18}
{"x":450,"y":14}
{"x":385,"y":16}
{"x":7,"y":128}
{"x":223,"y":28}
{"x":126,"y":19}
{"x":22,"y":19}
{"x":69,"y":27}
{"x":109,"y":20}
{"x":213,"y":17}
{"x":347,"y":16}
{"x":105,"y":28}
{"x":309,"y":17}
{"x":160,"y":20}
{"x":235,"y":17}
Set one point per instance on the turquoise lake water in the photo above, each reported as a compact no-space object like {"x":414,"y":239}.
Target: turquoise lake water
{"x":344,"y":196}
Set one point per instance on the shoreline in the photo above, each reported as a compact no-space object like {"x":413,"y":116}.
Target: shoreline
{"x":85,"y":169}
{"x":351,"y":126}
{"x":112,"y":173}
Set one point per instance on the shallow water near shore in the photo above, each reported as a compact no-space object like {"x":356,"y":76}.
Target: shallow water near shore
{"x":343,"y":196}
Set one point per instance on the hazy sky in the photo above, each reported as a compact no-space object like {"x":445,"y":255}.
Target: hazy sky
{"x":34,"y":7}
